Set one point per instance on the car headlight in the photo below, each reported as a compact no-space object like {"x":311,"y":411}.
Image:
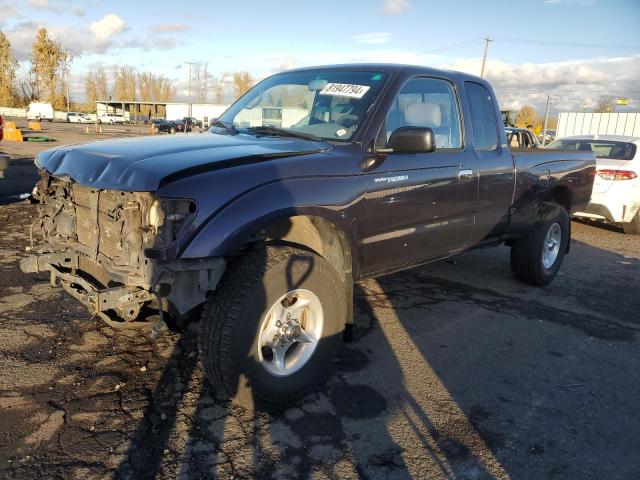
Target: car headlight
{"x":169,"y":218}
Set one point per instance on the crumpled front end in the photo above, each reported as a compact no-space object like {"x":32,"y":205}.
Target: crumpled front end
{"x":93,"y":242}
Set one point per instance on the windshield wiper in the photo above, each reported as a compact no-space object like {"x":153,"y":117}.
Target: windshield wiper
{"x":282,"y":132}
{"x":228,"y":127}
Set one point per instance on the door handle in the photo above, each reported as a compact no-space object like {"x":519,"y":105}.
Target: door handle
{"x":465,"y":174}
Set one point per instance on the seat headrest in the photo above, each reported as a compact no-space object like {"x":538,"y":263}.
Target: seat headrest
{"x":423,"y":115}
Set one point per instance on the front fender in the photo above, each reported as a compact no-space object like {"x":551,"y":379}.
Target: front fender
{"x":340,"y":200}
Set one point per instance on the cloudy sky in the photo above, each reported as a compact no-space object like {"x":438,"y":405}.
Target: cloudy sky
{"x":575,"y":50}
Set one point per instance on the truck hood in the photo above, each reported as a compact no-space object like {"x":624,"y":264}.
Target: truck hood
{"x":142,"y":164}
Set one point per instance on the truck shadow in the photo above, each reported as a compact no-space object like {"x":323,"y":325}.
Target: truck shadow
{"x":355,"y":426}
{"x":443,"y":375}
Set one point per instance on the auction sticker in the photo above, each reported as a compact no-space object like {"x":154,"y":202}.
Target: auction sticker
{"x":345,"y":90}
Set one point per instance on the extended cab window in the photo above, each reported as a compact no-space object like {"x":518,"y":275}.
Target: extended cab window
{"x":483,"y":117}
{"x":427,"y":102}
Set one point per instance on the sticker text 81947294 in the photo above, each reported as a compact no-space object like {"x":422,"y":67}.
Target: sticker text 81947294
{"x":345,"y":90}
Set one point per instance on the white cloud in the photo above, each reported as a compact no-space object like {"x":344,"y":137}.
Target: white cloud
{"x":571,"y":84}
{"x":395,"y":7}
{"x":55,"y":6}
{"x":169,"y":27}
{"x":107,"y":27}
{"x":38,"y":4}
{"x":373,"y":38}
{"x":98,"y":37}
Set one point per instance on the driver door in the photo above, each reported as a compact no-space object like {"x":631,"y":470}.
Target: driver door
{"x":420,"y":206}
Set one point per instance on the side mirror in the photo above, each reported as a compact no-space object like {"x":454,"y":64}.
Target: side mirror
{"x":412,"y":140}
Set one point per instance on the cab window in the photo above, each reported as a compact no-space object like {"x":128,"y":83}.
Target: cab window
{"x":483,"y":117}
{"x":427,"y":102}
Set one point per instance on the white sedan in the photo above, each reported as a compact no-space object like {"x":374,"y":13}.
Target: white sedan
{"x":74,"y":117}
{"x":108,"y":118}
{"x":616,"y":190}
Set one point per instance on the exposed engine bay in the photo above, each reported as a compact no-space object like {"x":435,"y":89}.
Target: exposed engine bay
{"x":93,"y":241}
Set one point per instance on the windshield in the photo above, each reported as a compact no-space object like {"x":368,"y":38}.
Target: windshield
{"x":602,"y":148}
{"x":327,"y":104}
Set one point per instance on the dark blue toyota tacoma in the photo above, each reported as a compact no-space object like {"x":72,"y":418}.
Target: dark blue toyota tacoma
{"x":314,"y":179}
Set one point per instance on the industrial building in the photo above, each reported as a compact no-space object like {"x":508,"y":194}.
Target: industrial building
{"x":585,"y":123}
{"x":143,"y":111}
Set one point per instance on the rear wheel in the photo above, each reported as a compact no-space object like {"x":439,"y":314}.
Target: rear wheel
{"x":536,"y":258}
{"x":273,"y":327}
{"x":632,"y":227}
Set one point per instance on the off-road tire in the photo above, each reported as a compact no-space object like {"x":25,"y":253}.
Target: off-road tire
{"x":526,"y":253}
{"x":632,"y":227}
{"x":232,"y":315}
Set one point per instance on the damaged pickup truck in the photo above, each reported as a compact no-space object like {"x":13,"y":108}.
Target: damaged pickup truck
{"x":314,"y":179}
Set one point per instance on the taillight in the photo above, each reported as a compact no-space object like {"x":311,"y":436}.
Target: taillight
{"x":610,"y":174}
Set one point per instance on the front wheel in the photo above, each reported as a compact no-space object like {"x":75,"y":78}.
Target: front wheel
{"x":172,"y":130}
{"x":536,"y":258}
{"x":272,"y":329}
{"x":632,"y":227}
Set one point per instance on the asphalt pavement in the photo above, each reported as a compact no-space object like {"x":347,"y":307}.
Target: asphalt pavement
{"x":456,"y":371}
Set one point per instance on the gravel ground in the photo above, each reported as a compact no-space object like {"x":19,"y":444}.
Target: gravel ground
{"x":456,"y":371}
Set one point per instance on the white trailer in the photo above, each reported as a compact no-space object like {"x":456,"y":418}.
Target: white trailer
{"x":582,"y":123}
{"x":204,"y":112}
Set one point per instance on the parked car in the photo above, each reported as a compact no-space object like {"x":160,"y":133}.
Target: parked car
{"x":1,"y":128}
{"x":171,"y":126}
{"x":521,"y":138}
{"x":40,"y":111}
{"x":192,"y":122}
{"x":75,"y":117}
{"x":616,"y":190}
{"x":550,"y":136}
{"x":109,"y":118}
{"x":265,"y":229}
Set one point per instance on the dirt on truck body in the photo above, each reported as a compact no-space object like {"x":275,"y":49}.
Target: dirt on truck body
{"x":93,"y":241}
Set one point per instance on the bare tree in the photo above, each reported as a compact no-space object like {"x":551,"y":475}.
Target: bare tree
{"x":8,"y":65}
{"x":67,"y":58}
{"x":165,"y":90}
{"x":242,"y":81}
{"x":200,"y":78}
{"x":155,"y":88}
{"x":96,"y":86}
{"x":28,"y":85}
{"x":605,"y":105}
{"x":124,"y":86}
{"x":217,"y":86}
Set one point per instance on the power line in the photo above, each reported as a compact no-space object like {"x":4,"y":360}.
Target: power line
{"x":565,"y":44}
{"x":453,"y":46}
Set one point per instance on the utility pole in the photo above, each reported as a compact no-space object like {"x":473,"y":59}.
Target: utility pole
{"x":546,"y":120}
{"x":189,"y":101}
{"x":487,"y":41}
